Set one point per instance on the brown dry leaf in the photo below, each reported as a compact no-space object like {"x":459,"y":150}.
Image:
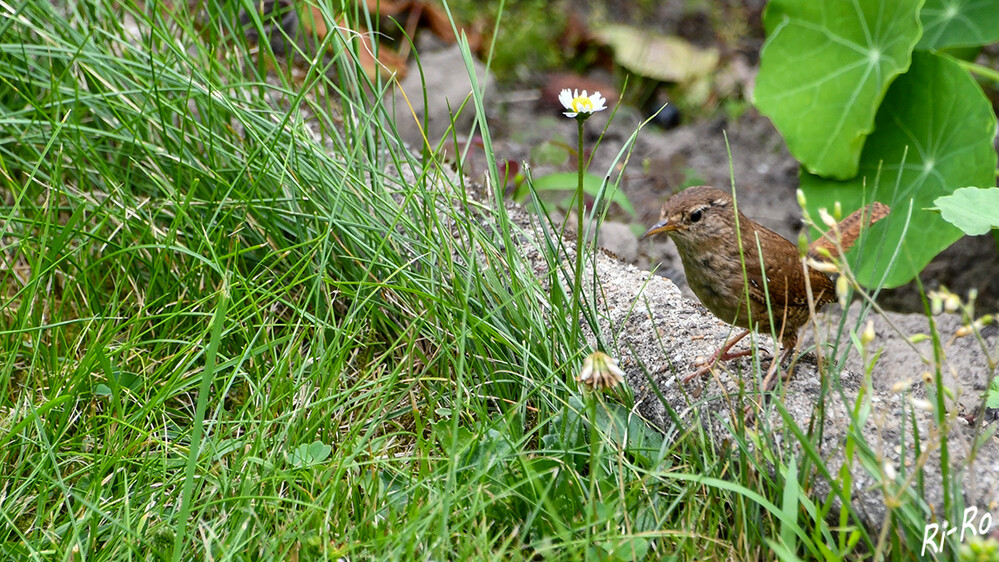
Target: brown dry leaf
{"x":437,"y":21}
{"x":313,"y":22}
{"x":389,"y":7}
{"x":666,"y":58}
{"x":389,"y":62}
{"x":428,"y":14}
{"x":417,"y":13}
{"x":564,"y":80}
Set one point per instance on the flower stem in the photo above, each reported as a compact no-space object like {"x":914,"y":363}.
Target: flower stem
{"x":594,"y":464}
{"x":580,"y":242}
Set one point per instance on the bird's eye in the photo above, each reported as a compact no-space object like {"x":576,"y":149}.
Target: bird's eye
{"x":696,"y":215}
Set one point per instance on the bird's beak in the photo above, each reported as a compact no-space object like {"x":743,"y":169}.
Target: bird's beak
{"x":661,"y":226}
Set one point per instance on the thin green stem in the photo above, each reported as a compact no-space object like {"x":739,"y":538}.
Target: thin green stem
{"x":591,"y":402}
{"x":580,"y":242}
{"x":983,"y":71}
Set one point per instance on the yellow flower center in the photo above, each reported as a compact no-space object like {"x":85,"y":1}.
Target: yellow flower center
{"x":581,"y":105}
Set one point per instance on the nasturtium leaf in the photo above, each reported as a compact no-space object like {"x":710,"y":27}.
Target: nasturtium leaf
{"x":824,"y":70}
{"x":974,"y":210}
{"x":933,"y":134}
{"x":959,"y":23}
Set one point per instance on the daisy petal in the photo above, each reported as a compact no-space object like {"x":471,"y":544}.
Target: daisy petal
{"x":581,"y":104}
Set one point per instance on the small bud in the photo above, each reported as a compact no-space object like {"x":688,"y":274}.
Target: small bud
{"x":889,"y":469}
{"x":826,"y":217}
{"x":921,"y":404}
{"x":838,"y":211}
{"x":801,"y":198}
{"x":972,"y":295}
{"x":802,"y":245}
{"x":902,"y":385}
{"x":916,"y":338}
{"x":868,"y":334}
{"x":952,"y":303}
{"x":936,"y":303}
{"x":843,"y":291}
{"x":977,"y":325}
{"x":927,"y":377}
{"x":823,"y":266}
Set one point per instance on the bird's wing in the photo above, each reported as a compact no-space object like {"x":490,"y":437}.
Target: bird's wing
{"x":783,"y":271}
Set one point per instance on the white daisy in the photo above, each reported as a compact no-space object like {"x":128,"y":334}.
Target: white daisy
{"x":577,"y":104}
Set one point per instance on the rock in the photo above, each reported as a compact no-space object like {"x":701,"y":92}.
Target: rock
{"x":447,"y":85}
{"x":658,"y":334}
{"x":618,"y":238}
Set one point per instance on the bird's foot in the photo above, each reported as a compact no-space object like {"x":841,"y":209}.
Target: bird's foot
{"x":707,"y":364}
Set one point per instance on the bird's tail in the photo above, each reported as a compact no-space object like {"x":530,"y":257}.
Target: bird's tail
{"x":848,"y":230}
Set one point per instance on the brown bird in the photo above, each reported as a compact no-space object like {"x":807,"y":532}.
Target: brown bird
{"x":702,"y":223}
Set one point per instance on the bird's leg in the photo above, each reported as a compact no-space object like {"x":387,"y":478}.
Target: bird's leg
{"x":721,"y":355}
{"x":789,"y":344}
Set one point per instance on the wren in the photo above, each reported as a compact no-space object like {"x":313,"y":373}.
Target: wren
{"x":702,"y":223}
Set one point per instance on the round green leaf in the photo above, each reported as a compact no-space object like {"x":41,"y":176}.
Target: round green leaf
{"x":975,"y":211}
{"x":823,"y":72}
{"x":992,"y":398}
{"x":592,"y":185}
{"x":934,"y":133}
{"x":959,"y":23}
{"x":309,"y":454}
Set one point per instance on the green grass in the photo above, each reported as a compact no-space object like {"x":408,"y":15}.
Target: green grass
{"x":230,"y":330}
